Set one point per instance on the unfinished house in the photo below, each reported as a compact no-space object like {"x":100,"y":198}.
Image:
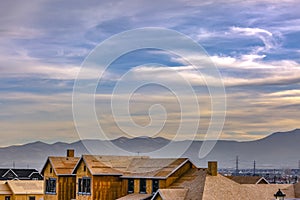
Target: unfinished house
{"x":21,"y":190}
{"x":126,"y":177}
{"x":60,"y":183}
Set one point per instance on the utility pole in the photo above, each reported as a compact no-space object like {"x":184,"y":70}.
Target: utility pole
{"x":254,"y":168}
{"x":237,"y":165}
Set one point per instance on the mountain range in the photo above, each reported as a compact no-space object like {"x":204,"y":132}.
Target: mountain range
{"x":278,"y":150}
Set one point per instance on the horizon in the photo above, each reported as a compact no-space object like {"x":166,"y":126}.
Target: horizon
{"x":253,"y":45}
{"x":146,"y":137}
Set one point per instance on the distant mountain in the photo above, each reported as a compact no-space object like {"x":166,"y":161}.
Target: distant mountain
{"x":278,"y":150}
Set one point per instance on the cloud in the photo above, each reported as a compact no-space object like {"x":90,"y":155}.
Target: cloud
{"x":254,"y":45}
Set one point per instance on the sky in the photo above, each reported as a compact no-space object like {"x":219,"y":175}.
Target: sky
{"x":255,"y":46}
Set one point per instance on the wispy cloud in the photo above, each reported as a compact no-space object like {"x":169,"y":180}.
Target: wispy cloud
{"x":255,"y":46}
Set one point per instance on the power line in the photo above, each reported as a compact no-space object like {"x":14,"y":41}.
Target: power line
{"x":237,"y":165}
{"x":254,"y":166}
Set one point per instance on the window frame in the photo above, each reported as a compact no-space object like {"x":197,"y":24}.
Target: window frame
{"x":143,"y":187}
{"x":31,"y":198}
{"x":130,"y":186}
{"x":49,"y":185}
{"x":154,"y":184}
{"x":84,"y":186}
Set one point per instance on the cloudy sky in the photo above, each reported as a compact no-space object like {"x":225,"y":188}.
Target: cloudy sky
{"x":254,"y":44}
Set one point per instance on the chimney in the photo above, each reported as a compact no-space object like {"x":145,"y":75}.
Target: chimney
{"x":212,"y":168}
{"x":70,"y":152}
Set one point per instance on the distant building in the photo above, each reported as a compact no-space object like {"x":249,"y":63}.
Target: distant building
{"x":248,"y":179}
{"x":19,"y":174}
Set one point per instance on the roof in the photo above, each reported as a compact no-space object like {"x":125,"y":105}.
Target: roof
{"x":220,"y":187}
{"x":131,"y":166}
{"x":4,"y":189}
{"x":21,"y":174}
{"x":194,"y":181}
{"x":61,"y":165}
{"x":248,"y":179}
{"x":171,"y":194}
{"x":26,"y":187}
{"x":136,"y":197}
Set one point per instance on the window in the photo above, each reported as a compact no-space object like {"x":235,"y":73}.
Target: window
{"x":32,"y":198}
{"x":155,"y":185}
{"x":7,"y":197}
{"x":84,"y":186}
{"x":143,"y":186}
{"x":51,"y":186}
{"x":130,"y":185}
{"x":84,"y":168}
{"x":51,"y":170}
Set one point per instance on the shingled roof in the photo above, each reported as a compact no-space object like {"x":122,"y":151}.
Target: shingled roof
{"x":26,"y":187}
{"x":21,"y":174}
{"x":220,"y":187}
{"x":4,"y":189}
{"x":171,"y":194}
{"x":61,"y":165}
{"x":131,"y":166}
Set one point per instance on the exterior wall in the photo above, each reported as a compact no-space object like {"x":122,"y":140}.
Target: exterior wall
{"x":65,"y":185}
{"x":171,"y":179}
{"x":158,"y":197}
{"x":124,"y":186}
{"x":2,"y":196}
{"x":47,"y":175}
{"x":136,"y":186}
{"x":83,"y":173}
{"x":26,"y":197}
{"x":102,"y":187}
{"x":106,"y":187}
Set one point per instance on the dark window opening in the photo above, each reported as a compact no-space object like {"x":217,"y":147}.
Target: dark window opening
{"x":84,"y":186}
{"x":51,"y":186}
{"x":130,"y":185}
{"x":155,"y":185}
{"x":7,"y":198}
{"x":32,"y":198}
{"x":50,"y":169}
{"x":84,"y":168}
{"x":143,"y":186}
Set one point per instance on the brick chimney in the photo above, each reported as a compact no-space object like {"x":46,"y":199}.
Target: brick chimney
{"x":212,"y":168}
{"x":70,"y":152}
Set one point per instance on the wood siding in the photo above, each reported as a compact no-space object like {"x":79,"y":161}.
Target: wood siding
{"x":65,"y":185}
{"x":104,"y":187}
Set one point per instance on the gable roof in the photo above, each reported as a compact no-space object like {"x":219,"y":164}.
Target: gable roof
{"x":171,"y":194}
{"x":61,"y":165}
{"x":194,"y":181}
{"x":26,"y":187}
{"x":4,"y":189}
{"x":131,"y":166}
{"x":21,"y":174}
{"x":9,"y":171}
{"x":248,"y":179}
{"x":153,"y":167}
{"x":220,"y":187}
